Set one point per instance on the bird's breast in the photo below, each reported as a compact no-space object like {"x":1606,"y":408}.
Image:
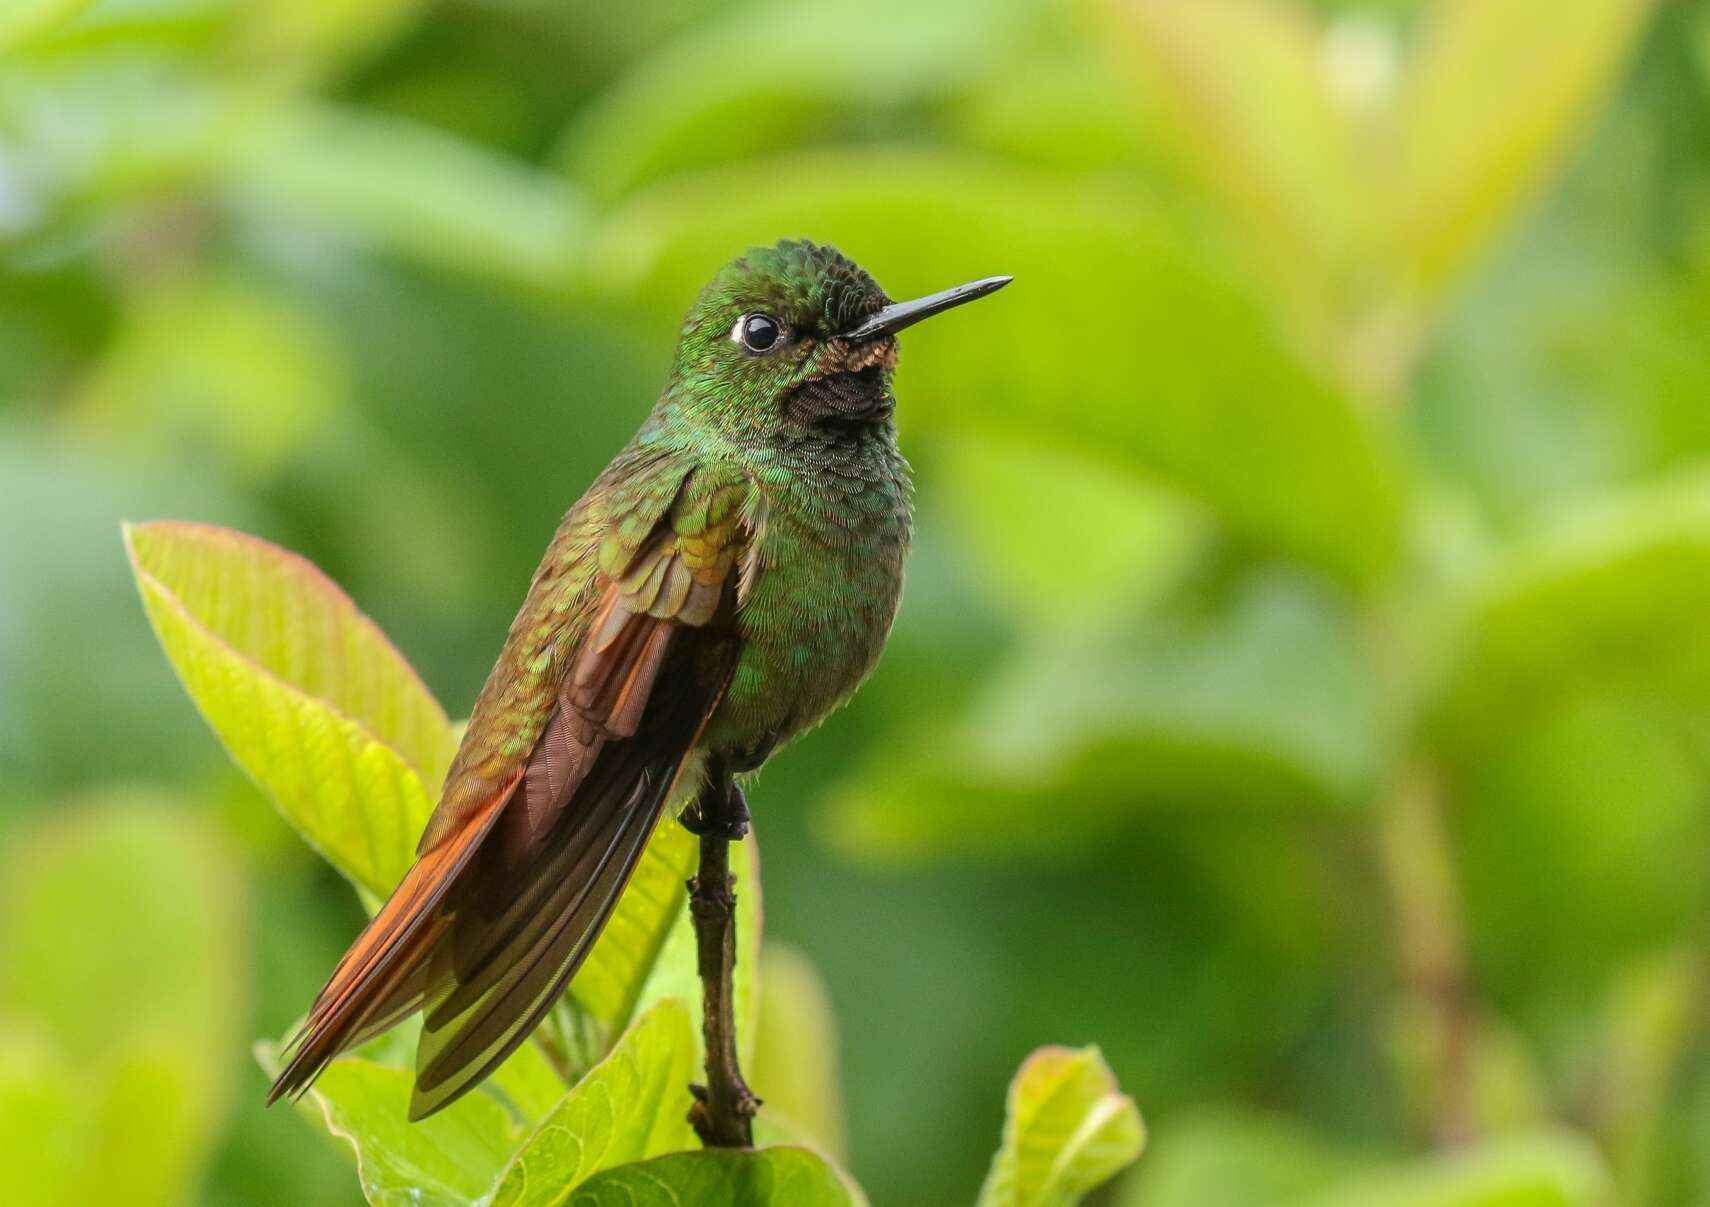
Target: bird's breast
{"x":831,"y":551}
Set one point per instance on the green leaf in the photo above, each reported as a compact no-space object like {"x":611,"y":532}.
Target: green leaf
{"x":1650,"y":1023}
{"x":321,"y":33}
{"x":631,"y":947}
{"x":1099,"y":542}
{"x":773,"y":75}
{"x":40,"y":1119}
{"x":674,"y":975}
{"x":768,"y":1177}
{"x":795,"y":1053}
{"x":425,"y":194}
{"x":1234,"y":1160}
{"x":633,"y":1105}
{"x":303,"y":689}
{"x":1261,"y":702}
{"x":22,"y":19}
{"x":159,"y":911}
{"x":449,"y":1159}
{"x":1243,"y":90}
{"x":1609,"y":600}
{"x":1068,"y":1130}
{"x":134,"y":1015}
{"x":1493,"y":102}
{"x":1526,"y":1171}
{"x":1605,"y":794}
{"x":1177,"y":368}
{"x":214,"y":363}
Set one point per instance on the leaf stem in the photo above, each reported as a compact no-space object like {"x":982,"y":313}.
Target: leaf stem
{"x":1416,"y":859}
{"x":724,"y":1108}
{"x":1420,"y":871}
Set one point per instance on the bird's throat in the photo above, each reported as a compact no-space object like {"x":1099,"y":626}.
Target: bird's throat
{"x":845,"y":398}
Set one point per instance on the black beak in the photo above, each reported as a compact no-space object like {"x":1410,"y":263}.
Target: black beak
{"x":895,"y":317}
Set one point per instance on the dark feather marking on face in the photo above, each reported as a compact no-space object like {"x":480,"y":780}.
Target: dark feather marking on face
{"x":856,"y":390}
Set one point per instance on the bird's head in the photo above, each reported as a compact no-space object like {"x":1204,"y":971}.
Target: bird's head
{"x":796,"y":335}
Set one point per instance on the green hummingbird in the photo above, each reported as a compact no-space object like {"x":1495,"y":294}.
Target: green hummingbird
{"x":724,"y":584}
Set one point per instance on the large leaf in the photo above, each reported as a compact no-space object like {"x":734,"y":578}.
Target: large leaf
{"x":1250,"y":105}
{"x":1571,"y":717}
{"x":1526,"y":1171}
{"x":1610,"y":599}
{"x":1229,"y":1159}
{"x":321,"y":33}
{"x":1234,"y":1161}
{"x":795,"y":1053}
{"x":40,"y":1120}
{"x":1099,"y":543}
{"x":1496,"y":96}
{"x":1605,"y":795}
{"x":214,"y":363}
{"x":1068,"y":1130}
{"x":768,"y":76}
{"x":21,"y":19}
{"x":449,"y":1159}
{"x":303,"y":689}
{"x":631,"y":1106}
{"x":768,"y":1177}
{"x":416,"y":191}
{"x":119,"y":972}
{"x":1262,"y":702}
{"x":1169,"y":360}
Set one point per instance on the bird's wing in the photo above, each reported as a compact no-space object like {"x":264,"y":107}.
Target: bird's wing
{"x":516,"y":880}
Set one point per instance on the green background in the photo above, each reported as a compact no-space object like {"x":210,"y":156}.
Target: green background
{"x":1303,"y":684}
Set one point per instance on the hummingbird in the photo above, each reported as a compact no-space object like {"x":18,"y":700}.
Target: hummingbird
{"x":726,"y":582}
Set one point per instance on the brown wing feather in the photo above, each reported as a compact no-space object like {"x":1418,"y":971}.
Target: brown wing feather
{"x":364,"y":988}
{"x":502,"y":907}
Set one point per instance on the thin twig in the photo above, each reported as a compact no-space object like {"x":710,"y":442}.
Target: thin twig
{"x":724,"y":1108}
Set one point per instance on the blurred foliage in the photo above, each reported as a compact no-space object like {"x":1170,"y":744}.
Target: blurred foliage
{"x":1301,"y":688}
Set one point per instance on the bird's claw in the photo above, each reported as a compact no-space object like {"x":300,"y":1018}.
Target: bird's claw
{"x":720,"y":811}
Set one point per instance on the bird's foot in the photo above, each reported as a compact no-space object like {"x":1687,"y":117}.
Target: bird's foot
{"x":720,"y":811}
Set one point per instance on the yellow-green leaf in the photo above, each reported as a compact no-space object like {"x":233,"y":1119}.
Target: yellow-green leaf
{"x":21,"y":20}
{"x":1243,"y":86}
{"x":303,"y":689}
{"x":795,"y":1050}
{"x":120,"y":962}
{"x":449,"y":1159}
{"x":631,"y":1106}
{"x":768,"y":1177}
{"x":1518,"y":1171}
{"x":1068,"y":1130}
{"x":1493,"y":102}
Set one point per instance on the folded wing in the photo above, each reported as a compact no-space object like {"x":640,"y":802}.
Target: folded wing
{"x":514,"y":883}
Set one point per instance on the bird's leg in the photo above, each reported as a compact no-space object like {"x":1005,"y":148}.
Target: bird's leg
{"x":723,"y":1113}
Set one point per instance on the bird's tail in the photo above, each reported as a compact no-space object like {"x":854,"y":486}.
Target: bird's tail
{"x":384,"y":975}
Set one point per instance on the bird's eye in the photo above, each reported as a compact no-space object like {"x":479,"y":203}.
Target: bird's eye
{"x":757,"y":332}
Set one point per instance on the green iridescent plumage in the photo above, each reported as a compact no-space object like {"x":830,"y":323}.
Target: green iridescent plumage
{"x":725,"y":583}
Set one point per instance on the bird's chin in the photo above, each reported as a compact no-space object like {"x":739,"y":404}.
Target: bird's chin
{"x":839,"y":355}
